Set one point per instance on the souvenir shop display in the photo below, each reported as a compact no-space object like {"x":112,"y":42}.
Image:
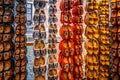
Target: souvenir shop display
{"x":20,"y":41}
{"x":115,"y":40}
{"x":39,"y":35}
{"x":6,"y":40}
{"x":52,"y":70}
{"x":59,"y":39}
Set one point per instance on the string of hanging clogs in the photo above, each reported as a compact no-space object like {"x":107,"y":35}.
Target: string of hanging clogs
{"x":20,"y":40}
{"x":104,"y":41}
{"x":115,"y":39}
{"x":39,"y":35}
{"x":77,"y":21}
{"x":66,"y":45}
{"x":92,"y":44}
{"x":52,"y":70}
{"x":6,"y":40}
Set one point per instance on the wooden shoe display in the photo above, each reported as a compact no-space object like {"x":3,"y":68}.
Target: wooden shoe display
{"x":85,"y":33}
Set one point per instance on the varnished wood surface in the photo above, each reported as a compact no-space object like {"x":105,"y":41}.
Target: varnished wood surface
{"x":29,"y":44}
